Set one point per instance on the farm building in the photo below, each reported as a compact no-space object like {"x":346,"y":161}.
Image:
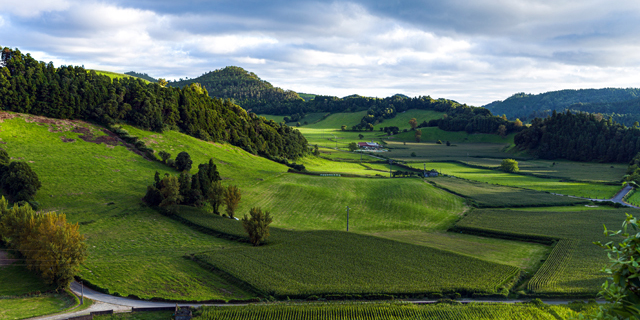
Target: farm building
{"x":368,"y":145}
{"x":431,"y":173}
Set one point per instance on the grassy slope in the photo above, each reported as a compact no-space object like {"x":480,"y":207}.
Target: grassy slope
{"x":27,"y":307}
{"x":132,"y":249}
{"x":580,"y":272}
{"x":429,"y":151}
{"x":17,"y":280}
{"x":401,"y":120}
{"x":580,"y":189}
{"x":115,"y":75}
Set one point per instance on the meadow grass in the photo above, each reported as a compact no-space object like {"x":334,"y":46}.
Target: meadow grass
{"x":115,"y":75}
{"x":378,"y":311}
{"x":317,"y":164}
{"x":17,"y":280}
{"x":338,"y":155}
{"x":337,"y":120}
{"x":580,"y":189}
{"x":429,"y":151}
{"x":580,"y":271}
{"x":578,"y":171}
{"x":433,"y":134}
{"x":634,"y":198}
{"x":523,"y":255}
{"x":483,"y":194}
{"x":401,"y":120}
{"x":132,"y":249}
{"x":142,"y":315}
{"x":27,"y":307}
{"x":336,"y":138}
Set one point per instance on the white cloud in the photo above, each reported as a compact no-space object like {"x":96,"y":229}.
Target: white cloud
{"x":249,"y":60}
{"x":1,"y":21}
{"x":32,"y":8}
{"x":228,"y":44}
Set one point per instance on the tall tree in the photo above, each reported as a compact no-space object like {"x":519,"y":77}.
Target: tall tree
{"x":257,"y":225}
{"x":232,"y":196}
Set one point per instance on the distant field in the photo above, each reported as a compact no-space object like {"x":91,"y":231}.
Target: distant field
{"x":433,"y":134}
{"x":578,"y":270}
{"x":401,"y":120}
{"x":580,"y":171}
{"x":519,"y":254}
{"x":580,"y":189}
{"x":429,"y":151}
{"x":490,"y":195}
{"x":346,"y":155}
{"x":115,"y":75}
{"x":304,"y":263}
{"x":337,"y":120}
{"x":379,"y":311}
{"x":316,"y":164}
{"x":330,"y":138}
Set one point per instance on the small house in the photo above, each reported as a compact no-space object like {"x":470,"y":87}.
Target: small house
{"x":431,"y":173}
{"x":368,"y":145}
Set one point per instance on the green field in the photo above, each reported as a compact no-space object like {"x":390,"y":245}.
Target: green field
{"x":141,"y":315}
{"x":340,"y":155}
{"x":115,"y":75}
{"x":580,"y":189}
{"x":17,"y":281}
{"x":27,"y":307}
{"x":432,"y":134}
{"x":304,"y":263}
{"x":336,"y":120}
{"x":401,"y":120}
{"x":379,"y":311}
{"x":634,"y":198}
{"x":575,"y":266}
{"x":483,"y":194}
{"x":429,"y":151}
{"x":577,"y":171}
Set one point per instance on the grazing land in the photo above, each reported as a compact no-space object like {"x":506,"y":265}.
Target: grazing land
{"x":574,"y":265}
{"x":375,"y":311}
{"x":115,"y":75}
{"x":483,"y":194}
{"x":431,"y":151}
{"x":433,"y":134}
{"x":401,"y":120}
{"x":579,"y":189}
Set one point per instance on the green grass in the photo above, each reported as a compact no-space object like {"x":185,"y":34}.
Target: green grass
{"x":579,"y":272}
{"x":375,"y":311}
{"x":578,"y":171}
{"x":433,"y":134}
{"x":115,"y":75}
{"x":336,"y":120}
{"x":401,"y":120}
{"x":22,"y":308}
{"x":144,"y":315}
{"x":316,"y":164}
{"x":17,"y":280}
{"x":634,"y":198}
{"x":340,"y":155}
{"x":429,"y":151}
{"x":580,"y":189}
{"x":132,"y":249}
{"x":484,"y":194}
{"x":523,"y":255}
{"x":304,"y":263}
{"x":332,"y":138}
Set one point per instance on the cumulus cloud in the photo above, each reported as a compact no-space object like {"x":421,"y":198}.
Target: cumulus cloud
{"x":474,"y":52}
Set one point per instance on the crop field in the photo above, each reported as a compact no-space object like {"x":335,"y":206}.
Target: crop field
{"x":132,"y":249}
{"x":634,"y":198}
{"x":483,"y":194}
{"x":574,"y":266}
{"x":27,"y":307}
{"x":578,"y":171}
{"x":524,"y":255}
{"x":433,"y":134}
{"x":304,"y":263}
{"x":333,"y":154}
{"x":375,"y":311}
{"x":430,"y":151}
{"x":316,"y":164}
{"x":580,"y":189}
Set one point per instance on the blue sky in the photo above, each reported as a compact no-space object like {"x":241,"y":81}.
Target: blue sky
{"x":474,"y":52}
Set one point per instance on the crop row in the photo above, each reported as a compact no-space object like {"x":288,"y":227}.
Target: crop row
{"x":554,"y":266}
{"x":378,"y":311}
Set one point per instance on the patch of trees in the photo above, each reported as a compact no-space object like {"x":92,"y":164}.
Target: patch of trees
{"x":474,"y":120}
{"x":509,"y":165}
{"x":579,"y":137}
{"x":257,"y":225}
{"x":50,"y":246}
{"x":69,"y":92}
{"x":18,"y":180}
{"x":196,"y":190}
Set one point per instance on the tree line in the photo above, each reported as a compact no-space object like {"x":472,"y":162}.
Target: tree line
{"x":579,"y":137}
{"x":71,"y":92}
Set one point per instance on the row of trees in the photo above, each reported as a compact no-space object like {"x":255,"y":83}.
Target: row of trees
{"x":69,"y":92}
{"x":195,"y":190}
{"x":50,"y":246}
{"x":579,"y":137}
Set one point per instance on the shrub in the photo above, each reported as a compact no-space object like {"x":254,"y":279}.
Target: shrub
{"x":20,"y":181}
{"x":183,"y":161}
{"x":509,"y":165}
{"x":257,"y":225}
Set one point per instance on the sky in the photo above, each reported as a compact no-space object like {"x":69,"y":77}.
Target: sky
{"x":474,"y":52}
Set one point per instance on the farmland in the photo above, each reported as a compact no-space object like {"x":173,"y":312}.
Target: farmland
{"x":374,"y":311}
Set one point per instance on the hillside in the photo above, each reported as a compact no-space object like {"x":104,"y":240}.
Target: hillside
{"x":244,"y":87}
{"x":142,"y":76}
{"x":528,"y":106}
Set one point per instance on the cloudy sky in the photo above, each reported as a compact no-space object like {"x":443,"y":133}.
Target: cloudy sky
{"x":474,"y":52}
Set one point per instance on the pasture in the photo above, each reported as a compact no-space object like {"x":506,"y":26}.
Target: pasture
{"x":376,"y":311}
{"x":430,"y":151}
{"x":579,"y":189}
{"x":401,"y":120}
{"x":115,"y":75}
{"x":27,"y":307}
{"x":574,"y":265}
{"x":433,"y":134}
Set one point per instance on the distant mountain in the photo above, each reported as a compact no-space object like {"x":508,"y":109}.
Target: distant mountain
{"x":608,"y":101}
{"x":142,"y":76}
{"x":244,"y":87}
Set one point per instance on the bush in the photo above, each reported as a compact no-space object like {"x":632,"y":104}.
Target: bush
{"x":183,"y":161}
{"x":509,"y":165}
{"x":20,"y":182}
{"x":257,"y":225}
{"x":413,"y":154}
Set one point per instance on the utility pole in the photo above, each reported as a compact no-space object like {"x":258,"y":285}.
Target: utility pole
{"x":347,"y":218}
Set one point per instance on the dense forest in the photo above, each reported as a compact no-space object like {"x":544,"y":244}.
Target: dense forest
{"x":244,"y":88}
{"x":617,"y":103}
{"x":71,"y":92}
{"x":579,"y":137}
{"x":142,"y":76}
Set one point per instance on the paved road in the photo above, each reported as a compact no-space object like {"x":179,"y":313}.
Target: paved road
{"x":618,"y":198}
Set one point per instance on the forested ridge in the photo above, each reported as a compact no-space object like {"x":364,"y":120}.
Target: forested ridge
{"x":141,"y":76}
{"x":579,"y":137}
{"x":614,"y":102}
{"x":71,"y":92}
